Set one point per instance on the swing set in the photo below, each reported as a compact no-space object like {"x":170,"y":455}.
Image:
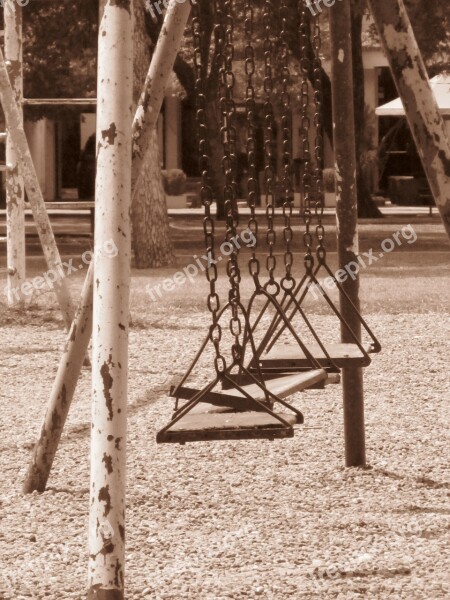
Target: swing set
{"x":259,"y":376}
{"x":276,"y":348}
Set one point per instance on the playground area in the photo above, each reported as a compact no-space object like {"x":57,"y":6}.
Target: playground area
{"x":246,"y":519}
{"x":230,"y":383}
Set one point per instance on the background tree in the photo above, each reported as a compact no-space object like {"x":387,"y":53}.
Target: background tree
{"x":60,"y":56}
{"x":151,"y":234}
{"x":366,"y":207}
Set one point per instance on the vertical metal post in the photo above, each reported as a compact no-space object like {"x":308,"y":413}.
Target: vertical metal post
{"x":347,"y":218}
{"x":15,"y":198}
{"x":421,"y":109}
{"x":111,"y":303}
{"x":78,"y":340}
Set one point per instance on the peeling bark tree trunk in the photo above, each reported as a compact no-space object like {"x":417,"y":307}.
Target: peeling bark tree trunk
{"x":366,"y":207}
{"x":151,"y":234}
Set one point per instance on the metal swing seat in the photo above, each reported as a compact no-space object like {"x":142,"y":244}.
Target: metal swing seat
{"x":236,"y":412}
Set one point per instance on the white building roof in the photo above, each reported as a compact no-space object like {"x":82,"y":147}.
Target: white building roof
{"x":441,"y":88}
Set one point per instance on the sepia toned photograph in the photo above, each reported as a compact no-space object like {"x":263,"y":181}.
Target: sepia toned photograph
{"x":224,"y":299}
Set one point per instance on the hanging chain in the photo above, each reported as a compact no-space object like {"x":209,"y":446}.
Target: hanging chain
{"x":225,"y":57}
{"x":319,"y":143}
{"x":271,"y":261}
{"x":213,"y":301}
{"x":287,"y":282}
{"x":305,"y":128}
{"x":250,"y":106}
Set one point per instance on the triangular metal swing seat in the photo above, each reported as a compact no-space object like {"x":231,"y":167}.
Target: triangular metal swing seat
{"x":217,"y":426}
{"x":290,"y":357}
{"x":259,"y":423}
{"x":282,"y":387}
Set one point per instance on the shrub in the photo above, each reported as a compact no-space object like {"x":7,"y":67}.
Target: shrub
{"x":329,"y":180}
{"x":174,"y":181}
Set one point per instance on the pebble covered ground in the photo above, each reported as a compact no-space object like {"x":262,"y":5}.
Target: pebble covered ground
{"x":239,"y":520}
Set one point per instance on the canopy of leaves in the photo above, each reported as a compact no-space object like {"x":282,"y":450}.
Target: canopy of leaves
{"x":60,"y":50}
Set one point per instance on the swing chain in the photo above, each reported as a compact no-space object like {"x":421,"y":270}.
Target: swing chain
{"x":319,"y":142}
{"x":287,"y":282}
{"x":250,"y":105}
{"x":304,"y":33}
{"x":213,"y":302}
{"x":271,"y":261}
{"x":225,"y":46}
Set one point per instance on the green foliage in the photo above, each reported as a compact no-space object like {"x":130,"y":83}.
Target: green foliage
{"x":431,"y":23}
{"x":60,"y":51}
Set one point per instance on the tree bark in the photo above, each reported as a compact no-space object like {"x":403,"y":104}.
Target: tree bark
{"x":152,"y":245}
{"x":366,"y":207}
{"x":217,"y":177}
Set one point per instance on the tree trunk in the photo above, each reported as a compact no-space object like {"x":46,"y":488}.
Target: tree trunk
{"x":366,"y":207}
{"x":151,"y":234}
{"x":217,"y":177}
{"x":152,"y":244}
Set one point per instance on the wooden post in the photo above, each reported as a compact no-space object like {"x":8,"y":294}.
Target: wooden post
{"x":347,"y":219}
{"x":421,"y":109}
{"x":16,"y":133}
{"x":15,"y":198}
{"x":78,"y":340}
{"x":111,"y":303}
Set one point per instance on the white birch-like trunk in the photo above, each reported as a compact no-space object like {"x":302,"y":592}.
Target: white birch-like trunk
{"x":15,"y":197}
{"x":111,"y":302}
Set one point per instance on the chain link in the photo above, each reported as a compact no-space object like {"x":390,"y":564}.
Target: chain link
{"x":250,"y":106}
{"x":304,"y":33}
{"x":319,"y":143}
{"x":269,"y":135}
{"x":206,"y":193}
{"x":287,"y":282}
{"x":225,"y":57}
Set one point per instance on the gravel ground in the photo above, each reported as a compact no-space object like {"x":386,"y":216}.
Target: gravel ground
{"x":240,"y":520}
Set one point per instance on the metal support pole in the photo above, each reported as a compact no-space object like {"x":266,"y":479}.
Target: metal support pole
{"x":15,"y":197}
{"x":421,"y":109}
{"x":78,"y":340}
{"x":16,"y":132}
{"x":347,"y":219}
{"x":111,"y":303}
